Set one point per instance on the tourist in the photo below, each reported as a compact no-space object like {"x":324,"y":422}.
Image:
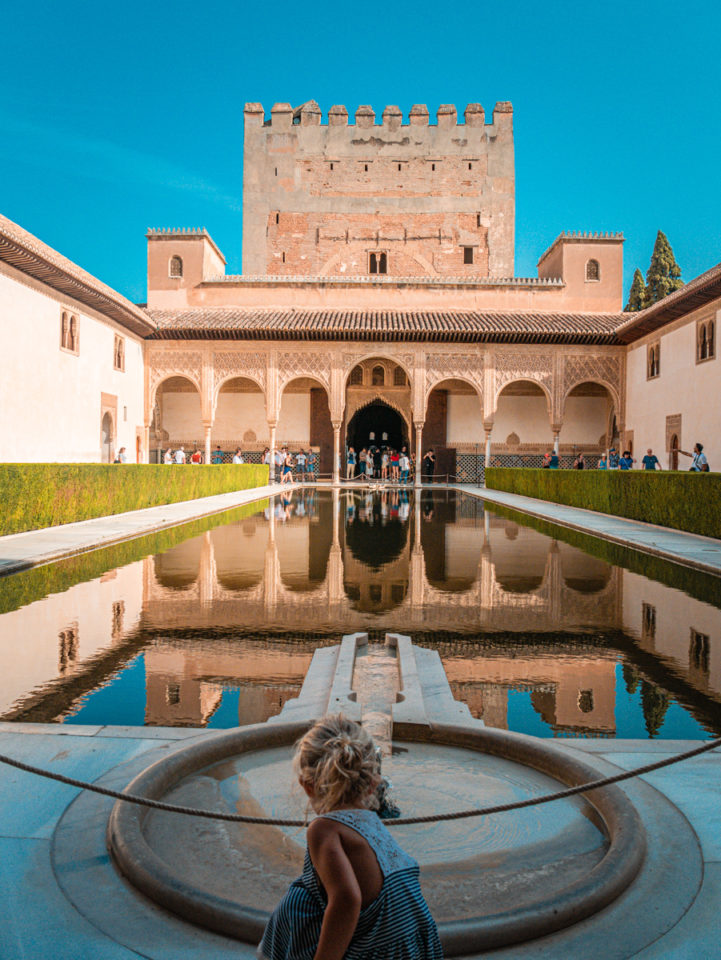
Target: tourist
{"x":554,"y":461}
{"x":614,"y":460}
{"x":579,"y":463}
{"x":546,"y":460}
{"x":238,"y":456}
{"x":351,"y":859}
{"x":312,"y":464}
{"x":699,"y":463}
{"x":287,"y":475}
{"x":279,"y":462}
{"x":385,"y":460}
{"x":217,"y":455}
{"x":168,"y":456}
{"x":603,"y":462}
{"x":196,"y":457}
{"x":350,"y":464}
{"x":122,"y":456}
{"x":405,"y":466}
{"x":180,"y":455}
{"x":429,"y":466}
{"x":369,"y":463}
{"x":650,"y":461}
{"x":626,"y":462}
{"x":395,"y":465}
{"x":362,"y":458}
{"x":266,"y":456}
{"x":300,"y":460}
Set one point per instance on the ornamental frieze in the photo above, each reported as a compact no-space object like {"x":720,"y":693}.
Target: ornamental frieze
{"x":239,"y":364}
{"x":533,"y":366}
{"x":584,"y":368}
{"x":174,"y":363}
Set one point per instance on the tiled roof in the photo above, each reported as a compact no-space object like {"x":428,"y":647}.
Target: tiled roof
{"x":696,"y":293}
{"x":26,"y":253}
{"x":229,"y":323}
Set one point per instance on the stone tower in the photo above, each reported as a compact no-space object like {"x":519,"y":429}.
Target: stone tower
{"x":367,"y":199}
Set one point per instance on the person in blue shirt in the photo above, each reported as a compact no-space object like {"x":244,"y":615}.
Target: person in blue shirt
{"x":554,"y":463}
{"x":217,"y":455}
{"x":603,"y":463}
{"x":650,"y":461}
{"x":614,"y":460}
{"x":626,"y":462}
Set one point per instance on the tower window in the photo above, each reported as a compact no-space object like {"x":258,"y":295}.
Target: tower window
{"x":468,"y":255}
{"x":365,"y":167}
{"x":277,"y":218}
{"x":433,"y":167}
{"x":378,"y":377}
{"x":470,"y":166}
{"x":332,"y":167}
{"x":283,"y":256}
{"x":478,"y":219}
{"x":593,"y":270}
{"x":175,"y":267}
{"x":276,"y":171}
{"x":698,"y":654}
{"x":377,"y":263}
{"x":69,"y":332}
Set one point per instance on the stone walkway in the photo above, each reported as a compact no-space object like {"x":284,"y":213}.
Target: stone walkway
{"x":701,"y":553}
{"x":22,"y":550}
{"x":110,"y":921}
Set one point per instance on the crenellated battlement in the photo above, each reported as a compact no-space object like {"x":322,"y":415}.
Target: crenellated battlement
{"x":283,"y":115}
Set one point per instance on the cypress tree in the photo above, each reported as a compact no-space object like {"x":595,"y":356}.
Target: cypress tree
{"x":637,"y":296}
{"x":630,"y":674}
{"x":664,"y":274}
{"x":654,"y":703}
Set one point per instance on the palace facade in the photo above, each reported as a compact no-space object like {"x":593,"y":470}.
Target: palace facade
{"x":378,"y":298}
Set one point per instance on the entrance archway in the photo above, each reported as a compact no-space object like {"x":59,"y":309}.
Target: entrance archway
{"x":377,"y":422}
{"x":107,"y":434}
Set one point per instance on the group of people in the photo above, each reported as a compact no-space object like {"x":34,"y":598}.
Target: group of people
{"x":304,"y":464}
{"x":387,"y":463}
{"x":625,"y":460}
{"x":197,"y":457}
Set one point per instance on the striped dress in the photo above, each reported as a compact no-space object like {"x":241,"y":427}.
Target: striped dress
{"x":397,"y":925}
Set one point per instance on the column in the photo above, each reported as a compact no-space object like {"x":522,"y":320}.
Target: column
{"x":208,"y":424}
{"x":487,"y":455}
{"x":336,"y":451}
{"x":419,"y":442}
{"x":146,"y":443}
{"x":556,"y":438}
{"x":271,"y":444}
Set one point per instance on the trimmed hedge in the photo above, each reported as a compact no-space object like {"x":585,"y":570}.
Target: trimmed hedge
{"x":25,"y":587}
{"x":37,"y":495}
{"x":683,"y":501}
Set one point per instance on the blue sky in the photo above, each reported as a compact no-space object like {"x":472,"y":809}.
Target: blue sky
{"x":116,"y":118}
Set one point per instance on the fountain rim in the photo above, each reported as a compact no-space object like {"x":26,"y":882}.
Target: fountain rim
{"x":605,"y":882}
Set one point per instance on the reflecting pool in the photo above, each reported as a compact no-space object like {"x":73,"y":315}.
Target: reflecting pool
{"x":213,"y":624}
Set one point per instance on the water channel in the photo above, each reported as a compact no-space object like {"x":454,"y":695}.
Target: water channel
{"x":214,"y":624}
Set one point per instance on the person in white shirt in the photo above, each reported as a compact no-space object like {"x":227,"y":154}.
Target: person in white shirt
{"x":122,"y":456}
{"x":168,"y":456}
{"x":180,"y":455}
{"x":238,"y":456}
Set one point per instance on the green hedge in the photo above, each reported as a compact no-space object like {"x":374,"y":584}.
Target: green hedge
{"x":684,"y":501}
{"x":37,"y":495}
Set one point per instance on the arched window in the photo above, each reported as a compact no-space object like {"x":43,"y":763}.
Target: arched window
{"x":593,"y":270}
{"x":377,"y":263}
{"x":119,"y":354}
{"x":176,"y":267}
{"x":399,"y":377}
{"x":73,"y":334}
{"x":653,"y":361}
{"x":356,"y":377}
{"x":64,"y":331}
{"x":378,"y":377}
{"x":705,"y":346}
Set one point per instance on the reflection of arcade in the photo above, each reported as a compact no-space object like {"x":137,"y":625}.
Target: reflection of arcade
{"x":243,"y":606}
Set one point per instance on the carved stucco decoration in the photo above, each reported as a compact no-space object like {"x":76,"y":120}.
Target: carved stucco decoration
{"x":454,"y":366}
{"x":518,"y":366}
{"x":300,"y":364}
{"x":173,"y":363}
{"x":234,"y":363}
{"x":590,"y":368}
{"x":366,"y":397}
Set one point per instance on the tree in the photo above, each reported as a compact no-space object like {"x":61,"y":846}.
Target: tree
{"x":664,"y":274}
{"x":630,"y":674}
{"x":654,"y":703}
{"x":637,"y":296}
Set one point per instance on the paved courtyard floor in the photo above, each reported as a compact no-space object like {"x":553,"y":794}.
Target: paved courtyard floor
{"x":110,"y":921}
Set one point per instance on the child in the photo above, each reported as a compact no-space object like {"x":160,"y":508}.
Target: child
{"x":359,"y":896}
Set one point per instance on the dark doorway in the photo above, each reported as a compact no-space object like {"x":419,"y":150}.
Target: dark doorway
{"x":379,"y":419}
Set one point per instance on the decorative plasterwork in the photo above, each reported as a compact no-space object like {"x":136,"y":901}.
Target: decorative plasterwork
{"x":173,"y":363}
{"x":592,"y":368}
{"x":454,"y":366}
{"x":234,"y":363}
{"x":523,"y":366}
{"x":302,"y":364}
{"x":364,"y":399}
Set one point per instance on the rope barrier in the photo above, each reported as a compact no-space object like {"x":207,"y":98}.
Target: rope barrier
{"x":401,"y":821}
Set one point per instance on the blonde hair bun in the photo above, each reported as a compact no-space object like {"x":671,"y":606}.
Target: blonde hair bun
{"x":337,"y":759}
